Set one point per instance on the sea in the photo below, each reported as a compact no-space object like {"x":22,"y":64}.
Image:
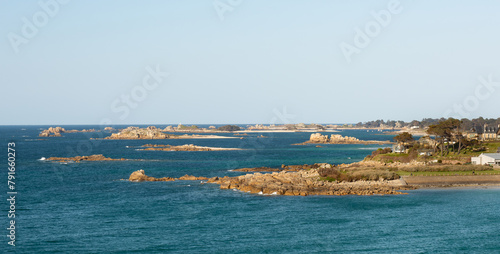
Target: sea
{"x":91,"y":207}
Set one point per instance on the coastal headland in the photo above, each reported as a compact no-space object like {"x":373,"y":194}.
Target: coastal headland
{"x":359,"y":178}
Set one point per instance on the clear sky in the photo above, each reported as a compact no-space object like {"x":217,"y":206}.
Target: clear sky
{"x":231,"y":61}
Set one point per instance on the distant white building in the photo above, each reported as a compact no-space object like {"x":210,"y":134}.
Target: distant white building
{"x":486,"y":159}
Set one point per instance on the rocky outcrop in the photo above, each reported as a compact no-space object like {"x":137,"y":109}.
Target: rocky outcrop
{"x":95,"y":157}
{"x":140,"y":176}
{"x":190,"y":147}
{"x":150,"y":132}
{"x":52,"y":132}
{"x":301,"y":183}
{"x":304,"y":183}
{"x":317,"y":138}
{"x":57,"y":131}
{"x":191,"y":178}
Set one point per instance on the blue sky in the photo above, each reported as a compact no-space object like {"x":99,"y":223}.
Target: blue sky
{"x":263,"y":57}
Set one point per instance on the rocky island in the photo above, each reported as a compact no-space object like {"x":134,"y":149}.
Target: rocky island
{"x":57,"y":131}
{"x":95,"y":157}
{"x":152,"y":132}
{"x":140,"y":176}
{"x":317,"y":138}
{"x":190,"y":147}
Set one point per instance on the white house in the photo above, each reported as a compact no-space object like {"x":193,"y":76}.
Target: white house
{"x":486,"y":159}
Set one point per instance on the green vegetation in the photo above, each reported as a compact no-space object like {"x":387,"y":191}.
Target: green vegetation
{"x":404,"y":138}
{"x":229,"y":128}
{"x":467,"y":124}
{"x":333,"y":174}
{"x":448,"y":173}
{"x":185,"y":127}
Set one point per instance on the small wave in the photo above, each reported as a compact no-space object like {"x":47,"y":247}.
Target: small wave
{"x":24,"y":136}
{"x":42,"y":159}
{"x":23,"y":129}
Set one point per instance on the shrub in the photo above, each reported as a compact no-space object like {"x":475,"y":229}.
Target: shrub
{"x":381,"y":151}
{"x":229,"y":128}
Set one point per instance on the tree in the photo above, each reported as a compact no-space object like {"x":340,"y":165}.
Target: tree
{"x":439,"y":132}
{"x":403,"y":138}
{"x":446,"y":131}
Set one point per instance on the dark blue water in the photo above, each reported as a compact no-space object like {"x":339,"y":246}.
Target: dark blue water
{"x":86,"y":208}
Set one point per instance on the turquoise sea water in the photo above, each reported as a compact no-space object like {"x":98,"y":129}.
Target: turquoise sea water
{"x":87,"y":208}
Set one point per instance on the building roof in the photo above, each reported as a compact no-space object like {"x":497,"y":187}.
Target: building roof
{"x":495,"y":156}
{"x":485,"y":129}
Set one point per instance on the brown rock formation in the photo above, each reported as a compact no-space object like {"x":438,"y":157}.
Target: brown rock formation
{"x":188,"y":177}
{"x":52,"y":132}
{"x":56,"y":131}
{"x":305,"y":182}
{"x":150,"y":132}
{"x":140,"y":176}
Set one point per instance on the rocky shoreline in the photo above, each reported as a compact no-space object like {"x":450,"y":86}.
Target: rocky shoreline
{"x":368,"y":178}
{"x":300,"y":183}
{"x":317,"y":138}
